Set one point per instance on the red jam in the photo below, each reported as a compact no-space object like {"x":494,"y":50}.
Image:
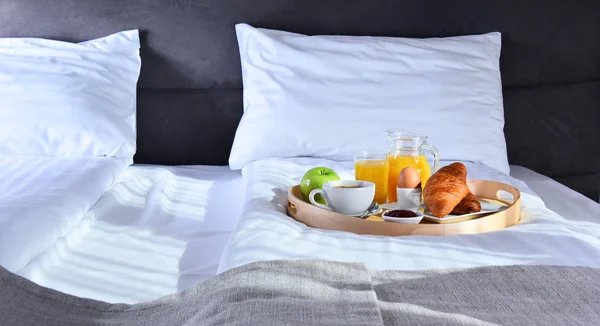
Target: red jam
{"x":401,"y":213}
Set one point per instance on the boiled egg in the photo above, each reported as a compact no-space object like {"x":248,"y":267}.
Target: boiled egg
{"x":409,"y":178}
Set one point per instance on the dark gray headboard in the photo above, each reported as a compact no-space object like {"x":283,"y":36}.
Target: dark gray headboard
{"x":190,"y":97}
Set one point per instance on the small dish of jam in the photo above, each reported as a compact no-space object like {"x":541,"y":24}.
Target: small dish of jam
{"x":402,"y":216}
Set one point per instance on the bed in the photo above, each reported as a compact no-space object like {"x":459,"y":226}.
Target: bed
{"x":131,"y":229}
{"x":109,"y":242}
{"x":113,"y":252}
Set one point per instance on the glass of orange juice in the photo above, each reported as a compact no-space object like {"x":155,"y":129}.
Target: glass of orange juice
{"x":373,"y":166}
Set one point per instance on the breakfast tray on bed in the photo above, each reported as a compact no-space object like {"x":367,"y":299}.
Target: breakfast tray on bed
{"x":316,"y":217}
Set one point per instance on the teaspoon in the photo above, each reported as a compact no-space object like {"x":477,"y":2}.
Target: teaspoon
{"x":372,"y":209}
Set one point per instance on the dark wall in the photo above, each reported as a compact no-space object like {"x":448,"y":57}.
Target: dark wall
{"x":190,"y":98}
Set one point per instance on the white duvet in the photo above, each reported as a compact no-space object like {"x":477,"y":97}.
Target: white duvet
{"x":265,"y":232}
{"x":43,"y":198}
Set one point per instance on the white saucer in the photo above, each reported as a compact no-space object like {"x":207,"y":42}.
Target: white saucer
{"x":394,"y":205}
{"x":374,"y":213}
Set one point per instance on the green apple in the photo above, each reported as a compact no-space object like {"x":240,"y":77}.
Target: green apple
{"x":314,"y":179}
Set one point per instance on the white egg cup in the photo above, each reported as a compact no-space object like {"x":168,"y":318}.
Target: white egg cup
{"x":408,"y":198}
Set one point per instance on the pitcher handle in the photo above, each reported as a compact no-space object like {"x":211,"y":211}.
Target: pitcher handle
{"x":436,"y":156}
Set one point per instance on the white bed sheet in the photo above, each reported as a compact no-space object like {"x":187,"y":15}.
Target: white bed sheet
{"x":266,"y":233}
{"x":559,"y":198}
{"x":156,"y":231}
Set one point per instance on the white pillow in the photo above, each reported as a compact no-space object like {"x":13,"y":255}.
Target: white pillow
{"x":69,"y":100}
{"x":328,"y":96}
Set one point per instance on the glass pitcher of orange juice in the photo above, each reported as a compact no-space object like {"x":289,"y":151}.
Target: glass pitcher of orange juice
{"x":407,"y":149}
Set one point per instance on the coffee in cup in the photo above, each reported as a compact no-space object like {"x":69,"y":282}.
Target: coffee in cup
{"x":350,"y":197}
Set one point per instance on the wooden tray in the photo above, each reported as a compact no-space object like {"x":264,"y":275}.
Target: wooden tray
{"x":316,"y":217}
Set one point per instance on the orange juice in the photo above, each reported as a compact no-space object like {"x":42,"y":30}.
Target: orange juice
{"x":375,"y":171}
{"x":399,"y":162}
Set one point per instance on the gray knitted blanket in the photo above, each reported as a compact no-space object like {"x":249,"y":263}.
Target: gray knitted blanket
{"x":332,"y":293}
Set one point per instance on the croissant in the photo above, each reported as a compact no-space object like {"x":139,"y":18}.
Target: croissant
{"x":468,"y":205}
{"x":446,"y":189}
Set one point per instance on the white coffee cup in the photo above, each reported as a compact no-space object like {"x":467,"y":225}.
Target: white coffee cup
{"x":350,"y":197}
{"x":408,"y":198}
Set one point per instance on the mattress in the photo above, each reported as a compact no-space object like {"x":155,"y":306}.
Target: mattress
{"x":156,"y":231}
{"x":265,"y":232}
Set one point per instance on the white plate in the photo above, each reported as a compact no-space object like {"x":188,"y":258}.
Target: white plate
{"x":390,"y":206}
{"x":394,"y":205}
{"x":486,"y":208}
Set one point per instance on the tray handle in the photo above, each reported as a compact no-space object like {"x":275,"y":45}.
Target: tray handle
{"x":505,"y":196}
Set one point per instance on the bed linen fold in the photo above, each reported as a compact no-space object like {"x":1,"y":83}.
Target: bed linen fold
{"x":315,"y":292}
